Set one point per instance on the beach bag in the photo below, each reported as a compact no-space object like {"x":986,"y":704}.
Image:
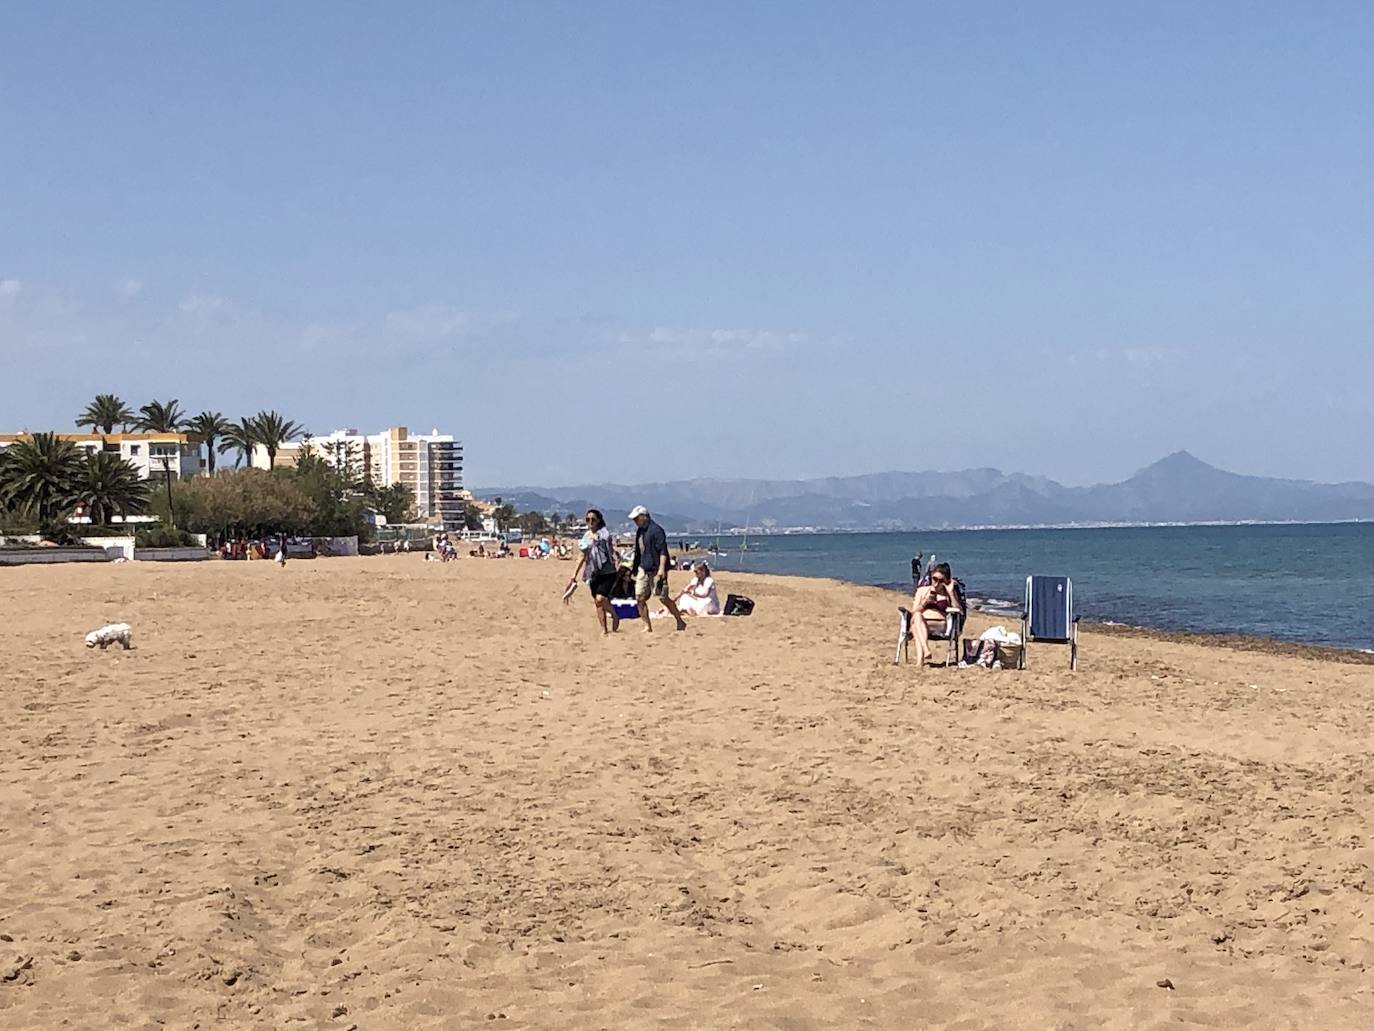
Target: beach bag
{"x":979,"y":653}
{"x":738,"y":605}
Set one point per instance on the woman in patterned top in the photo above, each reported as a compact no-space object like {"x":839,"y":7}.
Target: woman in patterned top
{"x":597,"y":564}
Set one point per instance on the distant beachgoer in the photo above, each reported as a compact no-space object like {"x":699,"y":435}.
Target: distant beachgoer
{"x":931,"y":603}
{"x":651,"y":568}
{"x":916,"y":570}
{"x":699,"y":598}
{"x":597,"y":565}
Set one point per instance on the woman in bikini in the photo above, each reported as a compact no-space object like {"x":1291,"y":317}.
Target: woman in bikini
{"x":932,"y":602}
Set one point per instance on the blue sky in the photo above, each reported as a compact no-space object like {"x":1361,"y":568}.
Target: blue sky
{"x":647,"y":241}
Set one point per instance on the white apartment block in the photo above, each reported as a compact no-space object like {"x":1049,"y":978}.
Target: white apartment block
{"x":152,"y":454}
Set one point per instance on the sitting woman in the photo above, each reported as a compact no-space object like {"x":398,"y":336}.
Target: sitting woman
{"x":699,"y":597}
{"x":933,"y":602}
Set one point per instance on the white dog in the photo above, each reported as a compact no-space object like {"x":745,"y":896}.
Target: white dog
{"x":111,"y":633}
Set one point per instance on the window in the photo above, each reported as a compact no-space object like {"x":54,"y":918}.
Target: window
{"x":134,"y":448}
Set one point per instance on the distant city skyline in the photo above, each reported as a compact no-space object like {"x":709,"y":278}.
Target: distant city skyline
{"x":631,"y":242}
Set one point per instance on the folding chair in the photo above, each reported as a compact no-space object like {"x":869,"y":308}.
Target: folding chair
{"x":954,"y":626}
{"x":1048,"y":616}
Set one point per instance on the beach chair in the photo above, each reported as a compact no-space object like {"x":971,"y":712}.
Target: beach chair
{"x":1048,"y":616}
{"x":954,"y":626}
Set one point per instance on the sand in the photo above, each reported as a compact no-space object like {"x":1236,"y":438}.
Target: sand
{"x":381,"y":793}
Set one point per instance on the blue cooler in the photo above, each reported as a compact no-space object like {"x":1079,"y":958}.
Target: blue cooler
{"x":625,"y":608}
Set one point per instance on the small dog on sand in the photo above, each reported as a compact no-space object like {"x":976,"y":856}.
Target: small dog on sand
{"x":111,"y":633}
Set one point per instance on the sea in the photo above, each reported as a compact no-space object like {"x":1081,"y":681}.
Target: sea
{"x":1309,"y":583}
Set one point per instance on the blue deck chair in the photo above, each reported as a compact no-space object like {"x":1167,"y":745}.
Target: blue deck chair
{"x":1048,"y":616}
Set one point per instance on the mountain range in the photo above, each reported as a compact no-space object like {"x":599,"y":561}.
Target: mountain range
{"x":1177,"y":489}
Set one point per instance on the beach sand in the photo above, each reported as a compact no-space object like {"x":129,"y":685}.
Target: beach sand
{"x":382,"y":793}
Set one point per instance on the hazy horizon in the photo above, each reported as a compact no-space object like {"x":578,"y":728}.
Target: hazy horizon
{"x":573,"y":485}
{"x":640,"y":242}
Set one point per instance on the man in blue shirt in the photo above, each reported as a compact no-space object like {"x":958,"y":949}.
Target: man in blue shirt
{"x":651,"y":568}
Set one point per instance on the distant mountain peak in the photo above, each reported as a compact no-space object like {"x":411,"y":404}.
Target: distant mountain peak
{"x":1183,"y":459}
{"x":1178,"y":464}
{"x":1178,"y":488}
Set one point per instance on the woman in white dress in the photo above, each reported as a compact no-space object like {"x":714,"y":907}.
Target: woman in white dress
{"x":699,"y":597}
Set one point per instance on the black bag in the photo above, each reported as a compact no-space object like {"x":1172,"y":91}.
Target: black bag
{"x":624,"y":584}
{"x":738,"y":605}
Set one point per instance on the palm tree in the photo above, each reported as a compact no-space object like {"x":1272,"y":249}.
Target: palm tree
{"x":161,"y":417}
{"x":41,"y":474}
{"x":209,"y":427}
{"x":102,"y":414}
{"x":273,"y":431}
{"x":241,"y":436}
{"x":110,"y":486}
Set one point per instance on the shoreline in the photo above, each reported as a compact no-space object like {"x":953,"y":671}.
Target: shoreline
{"x":1231,"y":640}
{"x":1255,"y":643}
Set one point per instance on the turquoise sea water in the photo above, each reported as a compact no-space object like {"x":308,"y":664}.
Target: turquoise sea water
{"x":1310,"y":583}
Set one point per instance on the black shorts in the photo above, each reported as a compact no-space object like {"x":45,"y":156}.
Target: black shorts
{"x":601,"y":584}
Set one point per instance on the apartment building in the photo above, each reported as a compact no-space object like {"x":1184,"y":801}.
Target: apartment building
{"x":430,"y":464}
{"x":152,"y":454}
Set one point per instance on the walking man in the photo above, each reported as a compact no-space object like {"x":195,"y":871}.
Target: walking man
{"x":651,"y":568}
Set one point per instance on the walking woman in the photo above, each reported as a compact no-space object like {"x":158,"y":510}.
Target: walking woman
{"x":597,"y":564}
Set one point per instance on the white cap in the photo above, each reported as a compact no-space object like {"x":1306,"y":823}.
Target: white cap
{"x":638,"y":511}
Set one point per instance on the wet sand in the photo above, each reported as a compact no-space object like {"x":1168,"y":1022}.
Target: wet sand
{"x":384,"y":793}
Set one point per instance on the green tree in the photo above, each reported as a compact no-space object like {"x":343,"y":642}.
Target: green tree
{"x":272,"y":430}
{"x":344,"y":456}
{"x":110,"y":486}
{"x":210,"y":427}
{"x":248,"y":502}
{"x":340,"y":509}
{"x":504,"y":515}
{"x":396,"y":503}
{"x":533,"y":524}
{"x":241,"y":436}
{"x":104,"y":413}
{"x":41,"y":474}
{"x":12,"y":520}
{"x":161,"y":417}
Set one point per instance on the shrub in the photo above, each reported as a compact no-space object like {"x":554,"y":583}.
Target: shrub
{"x":61,"y":532}
{"x":89,"y":530}
{"x":159,"y":536}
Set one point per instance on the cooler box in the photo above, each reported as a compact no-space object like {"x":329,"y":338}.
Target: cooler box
{"x":625,"y":608}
